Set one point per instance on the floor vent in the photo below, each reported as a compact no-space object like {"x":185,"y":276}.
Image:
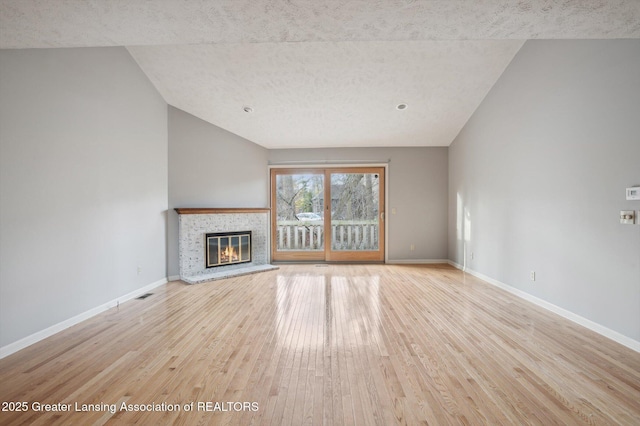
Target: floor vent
{"x":144,"y":296}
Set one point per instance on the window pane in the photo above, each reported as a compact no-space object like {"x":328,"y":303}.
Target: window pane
{"x":299,"y":212}
{"x":355,"y":213}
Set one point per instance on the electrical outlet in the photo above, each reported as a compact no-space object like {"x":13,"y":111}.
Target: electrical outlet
{"x":627,"y":217}
{"x":472,"y":256}
{"x":139,"y":269}
{"x":412,"y":247}
{"x":532,"y":275}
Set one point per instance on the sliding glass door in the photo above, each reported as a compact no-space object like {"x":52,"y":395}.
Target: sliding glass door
{"x":334,"y":214}
{"x":297,"y":214}
{"x":357,"y":200}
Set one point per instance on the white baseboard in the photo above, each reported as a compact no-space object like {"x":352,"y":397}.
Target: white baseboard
{"x":455,"y":265}
{"x":173,"y":278}
{"x":415,"y":261}
{"x":593,"y":326}
{"x":50,"y":331}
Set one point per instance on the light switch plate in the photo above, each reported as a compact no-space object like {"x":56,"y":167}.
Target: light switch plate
{"x":633,"y":193}
{"x":627,"y":217}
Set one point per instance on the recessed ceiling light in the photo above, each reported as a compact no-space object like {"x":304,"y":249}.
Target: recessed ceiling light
{"x":401,"y":106}
{"x":247,"y":109}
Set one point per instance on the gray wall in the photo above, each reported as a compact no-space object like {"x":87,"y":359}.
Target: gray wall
{"x":83,"y":192}
{"x":210,"y":167}
{"x":537,"y":179}
{"x":417,"y":190}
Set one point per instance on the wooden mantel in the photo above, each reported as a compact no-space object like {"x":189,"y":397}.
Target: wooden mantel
{"x":208,"y":210}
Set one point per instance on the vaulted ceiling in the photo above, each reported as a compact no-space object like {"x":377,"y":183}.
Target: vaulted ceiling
{"x":319,"y":73}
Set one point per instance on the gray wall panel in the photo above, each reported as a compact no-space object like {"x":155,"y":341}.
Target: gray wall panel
{"x":537,"y":178}
{"x":83,"y":190}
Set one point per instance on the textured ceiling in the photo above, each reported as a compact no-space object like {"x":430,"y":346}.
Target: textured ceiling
{"x":331,"y":94}
{"x":67,"y":23}
{"x":319,"y":73}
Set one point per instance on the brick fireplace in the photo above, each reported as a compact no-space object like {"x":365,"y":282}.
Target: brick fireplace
{"x":202,"y":230}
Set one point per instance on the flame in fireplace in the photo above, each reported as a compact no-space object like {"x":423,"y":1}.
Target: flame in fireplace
{"x":229,"y":254}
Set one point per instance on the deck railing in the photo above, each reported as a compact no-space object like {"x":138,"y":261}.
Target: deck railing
{"x":345,"y":235}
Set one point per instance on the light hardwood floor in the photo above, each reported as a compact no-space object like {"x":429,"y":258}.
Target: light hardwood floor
{"x":333,"y":345}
